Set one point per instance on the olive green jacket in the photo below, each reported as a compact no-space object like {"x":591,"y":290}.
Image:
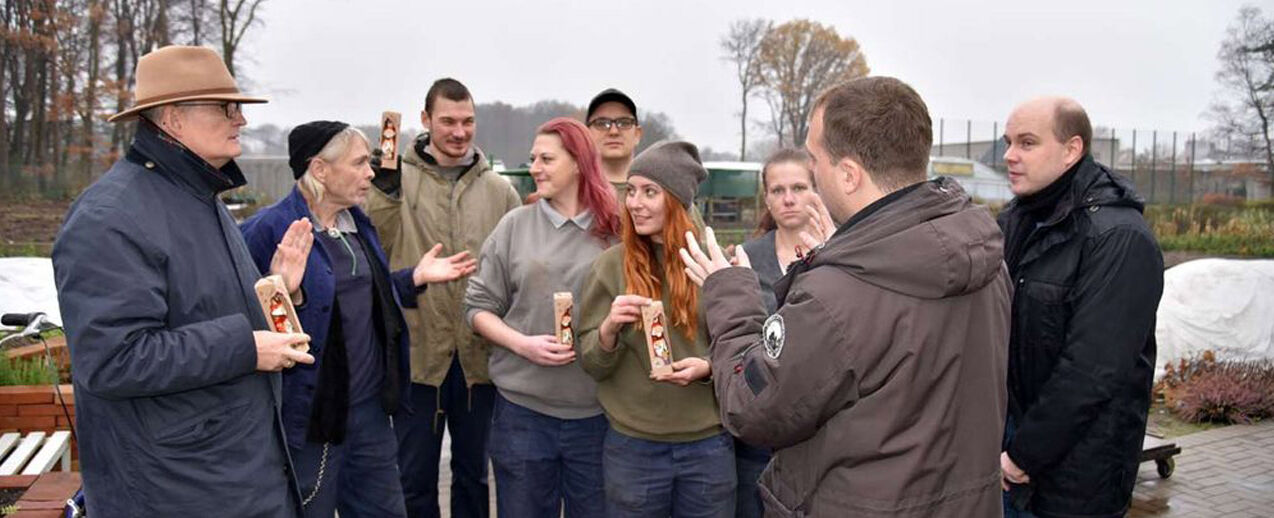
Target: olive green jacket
{"x":429,"y":209}
{"x":636,"y":405}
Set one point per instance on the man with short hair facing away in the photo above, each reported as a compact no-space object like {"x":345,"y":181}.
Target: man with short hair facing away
{"x":444,"y":192}
{"x":177,"y":384}
{"x":1088,"y":275}
{"x":881,"y":375}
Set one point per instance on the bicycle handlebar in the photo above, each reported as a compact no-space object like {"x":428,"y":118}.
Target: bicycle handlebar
{"x":19,"y":319}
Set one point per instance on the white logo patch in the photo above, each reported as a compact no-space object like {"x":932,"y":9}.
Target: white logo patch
{"x":773,"y":333}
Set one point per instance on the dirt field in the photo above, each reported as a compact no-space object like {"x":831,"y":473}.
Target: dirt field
{"x":28,"y":227}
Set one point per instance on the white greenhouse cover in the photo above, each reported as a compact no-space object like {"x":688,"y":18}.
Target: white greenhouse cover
{"x":1226,"y":305}
{"x":26,"y":286}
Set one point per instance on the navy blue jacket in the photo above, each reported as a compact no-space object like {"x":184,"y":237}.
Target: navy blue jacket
{"x":263,"y":232}
{"x":155,"y":287}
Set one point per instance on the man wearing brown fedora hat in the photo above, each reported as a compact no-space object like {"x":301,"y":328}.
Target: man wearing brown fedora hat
{"x":177,"y":387}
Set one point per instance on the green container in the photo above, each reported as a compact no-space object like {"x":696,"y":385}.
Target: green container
{"x":728,"y":181}
{"x":521,"y":180}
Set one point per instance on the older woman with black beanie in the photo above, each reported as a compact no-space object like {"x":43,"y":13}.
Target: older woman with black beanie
{"x":336,"y":411}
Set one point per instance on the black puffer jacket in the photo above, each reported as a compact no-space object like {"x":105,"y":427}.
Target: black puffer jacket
{"x":1082,"y":351}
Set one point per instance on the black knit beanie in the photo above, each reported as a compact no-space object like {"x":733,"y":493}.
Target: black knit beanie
{"x":307,"y":140}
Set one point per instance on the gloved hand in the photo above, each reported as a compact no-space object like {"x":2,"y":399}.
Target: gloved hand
{"x":388,"y":179}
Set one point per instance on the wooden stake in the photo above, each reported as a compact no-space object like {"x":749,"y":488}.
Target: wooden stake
{"x":272,"y":293}
{"x":655,"y":325}
{"x":562,"y":305}
{"x":390,"y":127}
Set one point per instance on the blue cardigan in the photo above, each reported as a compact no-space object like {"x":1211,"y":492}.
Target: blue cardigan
{"x":263,"y":231}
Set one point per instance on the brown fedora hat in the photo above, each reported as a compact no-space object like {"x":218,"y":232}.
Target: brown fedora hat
{"x":179,"y":73}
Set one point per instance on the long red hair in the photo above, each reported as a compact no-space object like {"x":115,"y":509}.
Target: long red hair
{"x":639,"y":261}
{"x":595,"y":193}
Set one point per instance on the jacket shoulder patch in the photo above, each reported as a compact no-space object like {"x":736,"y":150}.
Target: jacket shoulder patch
{"x":774,"y":334}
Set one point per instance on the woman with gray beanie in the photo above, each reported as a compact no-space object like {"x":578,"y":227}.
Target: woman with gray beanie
{"x":336,"y":411}
{"x":665,"y":453}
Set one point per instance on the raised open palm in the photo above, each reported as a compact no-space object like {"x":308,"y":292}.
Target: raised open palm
{"x":432,"y":268}
{"x":293,"y":250}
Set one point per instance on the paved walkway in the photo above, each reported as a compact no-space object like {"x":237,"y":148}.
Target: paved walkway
{"x":1222,"y":472}
{"x":1225,"y":472}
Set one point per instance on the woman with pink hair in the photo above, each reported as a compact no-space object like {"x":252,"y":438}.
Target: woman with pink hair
{"x":547,"y":427}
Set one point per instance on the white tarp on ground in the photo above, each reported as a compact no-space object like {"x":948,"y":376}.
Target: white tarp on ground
{"x":26,"y":286}
{"x":1226,"y":305}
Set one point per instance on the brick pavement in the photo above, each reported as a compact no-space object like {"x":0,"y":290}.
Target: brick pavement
{"x":1222,"y":472}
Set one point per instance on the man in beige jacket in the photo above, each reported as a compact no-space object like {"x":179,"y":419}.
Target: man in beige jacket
{"x":442,"y":192}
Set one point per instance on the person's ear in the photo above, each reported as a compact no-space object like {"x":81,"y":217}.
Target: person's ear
{"x":320,"y":169}
{"x":424,"y":119}
{"x":637,"y":132}
{"x":170,"y":121}
{"x":1074,"y":150}
{"x":850,"y":175}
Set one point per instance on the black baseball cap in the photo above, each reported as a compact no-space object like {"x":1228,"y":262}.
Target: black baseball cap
{"x":610,"y":95}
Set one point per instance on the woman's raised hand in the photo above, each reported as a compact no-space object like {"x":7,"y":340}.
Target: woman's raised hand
{"x":290,"y":256}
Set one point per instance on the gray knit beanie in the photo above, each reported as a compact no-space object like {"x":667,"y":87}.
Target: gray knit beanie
{"x":675,"y":166}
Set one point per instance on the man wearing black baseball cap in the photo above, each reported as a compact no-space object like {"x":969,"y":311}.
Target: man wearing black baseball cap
{"x":612,"y":120}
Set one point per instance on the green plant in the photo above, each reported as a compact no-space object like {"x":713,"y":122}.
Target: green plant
{"x":27,"y":371}
{"x":1230,"y":228}
{"x":26,"y":250}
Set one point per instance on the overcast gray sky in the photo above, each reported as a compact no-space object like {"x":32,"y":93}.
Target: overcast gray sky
{"x":1144,"y":64}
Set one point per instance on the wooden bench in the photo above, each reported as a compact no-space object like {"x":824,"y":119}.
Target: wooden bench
{"x":34,"y":454}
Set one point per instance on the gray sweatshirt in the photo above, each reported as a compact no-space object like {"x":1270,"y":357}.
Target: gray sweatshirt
{"x":534,"y":252}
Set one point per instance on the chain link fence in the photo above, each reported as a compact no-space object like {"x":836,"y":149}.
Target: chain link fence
{"x":1169,"y":167}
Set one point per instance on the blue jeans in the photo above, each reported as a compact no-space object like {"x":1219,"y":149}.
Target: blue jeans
{"x":466,"y":412}
{"x":542,"y":462}
{"x":749,"y":461}
{"x":360,"y":476}
{"x":1014,"y":491}
{"x":660,"y":479}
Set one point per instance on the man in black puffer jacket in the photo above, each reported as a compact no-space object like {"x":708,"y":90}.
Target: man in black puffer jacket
{"x":1088,"y":276}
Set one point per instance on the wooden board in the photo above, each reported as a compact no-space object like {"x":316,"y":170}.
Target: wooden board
{"x":55,"y":448}
{"x":16,"y":460}
{"x":390,"y":128}
{"x":654,"y":323}
{"x":272,"y":293}
{"x":563,"y":303}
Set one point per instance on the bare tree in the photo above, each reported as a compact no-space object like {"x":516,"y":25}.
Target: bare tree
{"x":64,"y":64}
{"x":236,"y":17}
{"x":777,"y":124}
{"x":741,"y":46}
{"x":799,"y":60}
{"x":655,"y":127}
{"x":1246,"y":77}
{"x":197,"y":18}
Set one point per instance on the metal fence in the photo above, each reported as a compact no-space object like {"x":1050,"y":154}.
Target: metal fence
{"x":1166,"y":166}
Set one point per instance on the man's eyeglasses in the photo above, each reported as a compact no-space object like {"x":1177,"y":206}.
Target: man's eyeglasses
{"x":605,"y":124}
{"x":232,"y":109}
